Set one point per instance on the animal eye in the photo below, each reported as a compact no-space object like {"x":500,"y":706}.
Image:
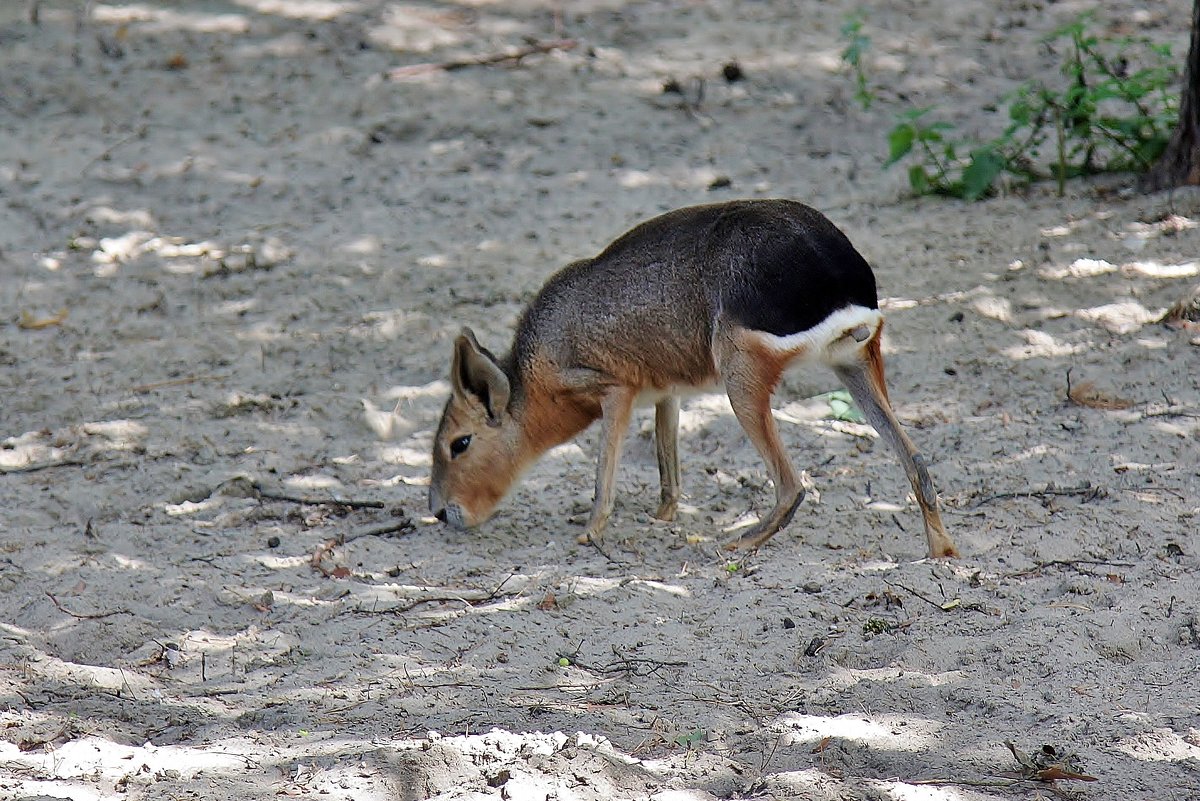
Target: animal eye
{"x":459,"y":445}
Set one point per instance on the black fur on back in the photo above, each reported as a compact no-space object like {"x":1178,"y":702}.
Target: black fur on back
{"x":790,"y":267}
{"x":778,"y":266}
{"x":775,"y":266}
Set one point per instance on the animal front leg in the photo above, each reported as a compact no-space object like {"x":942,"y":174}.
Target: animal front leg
{"x":615,"y":408}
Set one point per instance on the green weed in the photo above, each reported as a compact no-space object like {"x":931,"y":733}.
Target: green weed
{"x":857,"y":44}
{"x":841,"y":407}
{"x":1113,"y":111}
{"x":877,"y":625}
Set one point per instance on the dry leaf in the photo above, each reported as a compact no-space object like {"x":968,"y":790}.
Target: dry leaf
{"x":1086,"y":394}
{"x":31,"y":323}
{"x":321,"y":551}
{"x":821,"y":746}
{"x":1184,"y":313}
{"x":1056,"y":772}
{"x":264,"y":602}
{"x":1049,"y":764}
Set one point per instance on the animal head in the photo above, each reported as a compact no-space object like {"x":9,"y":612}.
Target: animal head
{"x":477,"y":454}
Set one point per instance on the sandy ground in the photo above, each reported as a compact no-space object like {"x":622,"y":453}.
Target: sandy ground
{"x":232,"y":243}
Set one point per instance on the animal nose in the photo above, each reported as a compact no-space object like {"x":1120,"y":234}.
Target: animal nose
{"x":440,"y":514}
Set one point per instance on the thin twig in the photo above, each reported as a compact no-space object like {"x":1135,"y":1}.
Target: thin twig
{"x":1172,"y":411}
{"x":969,"y":782}
{"x":34,"y":744}
{"x":351,"y":504}
{"x":951,"y":605}
{"x":403,"y":526}
{"x":1086,"y":489}
{"x":78,"y":616}
{"x":592,"y":541}
{"x":1074,"y":564}
{"x":916,"y":594}
{"x":105,"y":154}
{"x":636,"y":665}
{"x":413,"y":70}
{"x":1044,"y":784}
{"x":33,"y":468}
{"x":441,"y":597}
{"x":174,"y":382}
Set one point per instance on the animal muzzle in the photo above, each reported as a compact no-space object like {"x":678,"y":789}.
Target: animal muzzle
{"x":449,"y":513}
{"x":452,"y":516}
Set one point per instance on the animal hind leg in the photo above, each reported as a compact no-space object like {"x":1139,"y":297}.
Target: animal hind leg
{"x":750,"y":379}
{"x":866,"y":384}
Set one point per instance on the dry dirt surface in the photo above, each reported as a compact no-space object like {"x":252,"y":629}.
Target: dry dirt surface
{"x":237,"y":239}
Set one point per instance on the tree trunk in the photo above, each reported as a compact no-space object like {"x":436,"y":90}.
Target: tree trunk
{"x":1180,"y":162}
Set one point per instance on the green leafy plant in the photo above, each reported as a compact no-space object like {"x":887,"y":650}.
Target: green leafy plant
{"x":942,"y":170}
{"x":841,"y":407}
{"x":857,"y":44}
{"x":877,"y":625}
{"x":1109,"y":116}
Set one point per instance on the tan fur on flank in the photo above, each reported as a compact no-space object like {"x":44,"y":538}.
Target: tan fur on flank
{"x":723,"y":295}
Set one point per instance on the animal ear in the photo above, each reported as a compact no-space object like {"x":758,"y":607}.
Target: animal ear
{"x":474,"y":374}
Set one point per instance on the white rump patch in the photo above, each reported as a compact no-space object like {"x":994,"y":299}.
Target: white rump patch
{"x":836,"y":339}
